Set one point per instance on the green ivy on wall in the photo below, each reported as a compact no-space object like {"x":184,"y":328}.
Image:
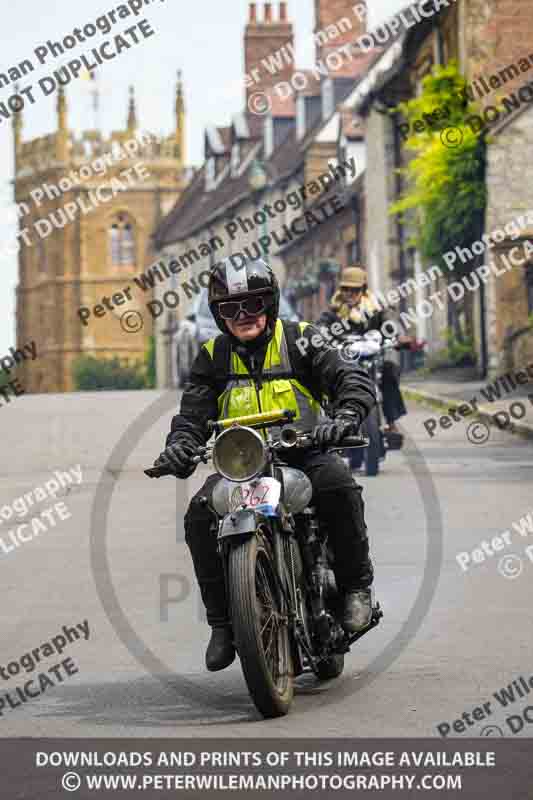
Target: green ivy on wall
{"x":446,"y":190}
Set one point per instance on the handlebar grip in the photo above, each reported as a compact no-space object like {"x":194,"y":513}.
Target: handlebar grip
{"x":157,"y":472}
{"x":353,"y":441}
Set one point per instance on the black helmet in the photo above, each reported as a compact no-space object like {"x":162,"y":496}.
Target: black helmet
{"x":235,"y":278}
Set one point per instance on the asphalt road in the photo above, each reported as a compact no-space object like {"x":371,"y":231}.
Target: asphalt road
{"x":448,"y":641}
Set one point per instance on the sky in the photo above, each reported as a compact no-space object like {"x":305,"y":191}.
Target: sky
{"x":201,"y":38}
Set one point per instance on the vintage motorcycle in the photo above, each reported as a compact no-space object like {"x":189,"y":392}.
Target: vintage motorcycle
{"x":368,"y":350}
{"x":284,"y":604}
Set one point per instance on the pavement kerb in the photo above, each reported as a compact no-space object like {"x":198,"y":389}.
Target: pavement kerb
{"x":484,"y":413}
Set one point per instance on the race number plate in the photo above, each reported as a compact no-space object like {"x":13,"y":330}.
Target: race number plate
{"x":264,"y":492}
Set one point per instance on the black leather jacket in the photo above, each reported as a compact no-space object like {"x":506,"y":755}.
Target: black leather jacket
{"x":316,"y":366}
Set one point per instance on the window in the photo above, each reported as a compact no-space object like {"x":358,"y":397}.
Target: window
{"x":209,"y":174}
{"x":122,"y":242}
{"x":352,"y":252}
{"x":300,"y":117}
{"x":328,"y":98}
{"x":268,"y":132}
{"x":235,"y":159}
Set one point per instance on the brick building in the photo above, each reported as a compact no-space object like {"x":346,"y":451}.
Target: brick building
{"x":70,"y":261}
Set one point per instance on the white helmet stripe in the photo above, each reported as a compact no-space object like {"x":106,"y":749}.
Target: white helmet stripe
{"x":236,"y":278}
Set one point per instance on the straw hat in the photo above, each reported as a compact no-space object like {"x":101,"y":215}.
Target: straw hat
{"x":353,"y":278}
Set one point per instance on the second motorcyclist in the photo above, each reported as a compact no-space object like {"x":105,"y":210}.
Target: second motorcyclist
{"x":352,"y":306}
{"x":256,"y":366}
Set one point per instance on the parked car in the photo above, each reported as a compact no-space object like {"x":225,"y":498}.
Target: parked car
{"x":198,"y":327}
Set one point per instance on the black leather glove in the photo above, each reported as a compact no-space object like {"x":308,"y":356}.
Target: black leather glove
{"x":333,"y":432}
{"x":177,"y":458}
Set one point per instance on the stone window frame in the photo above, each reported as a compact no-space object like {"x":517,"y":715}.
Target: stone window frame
{"x":125,"y":222}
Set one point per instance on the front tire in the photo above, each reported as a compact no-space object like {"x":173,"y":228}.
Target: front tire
{"x":261,"y":634}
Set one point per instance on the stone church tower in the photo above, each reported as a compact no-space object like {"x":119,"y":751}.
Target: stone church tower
{"x":71,"y":260}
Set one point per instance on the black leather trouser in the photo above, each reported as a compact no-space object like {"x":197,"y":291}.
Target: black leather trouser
{"x":339,"y":506}
{"x":393,"y":405}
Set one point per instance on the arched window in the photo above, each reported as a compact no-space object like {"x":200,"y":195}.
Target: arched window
{"x":122,"y":242}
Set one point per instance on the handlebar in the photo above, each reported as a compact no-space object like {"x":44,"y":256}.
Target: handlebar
{"x":301,"y":440}
{"x":264,"y":419}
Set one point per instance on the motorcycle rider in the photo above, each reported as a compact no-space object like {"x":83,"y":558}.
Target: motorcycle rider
{"x":352,"y":305}
{"x":255,"y":366}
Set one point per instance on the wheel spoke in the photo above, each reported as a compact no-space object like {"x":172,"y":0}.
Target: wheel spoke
{"x":266,"y":623}
{"x":269,"y":614}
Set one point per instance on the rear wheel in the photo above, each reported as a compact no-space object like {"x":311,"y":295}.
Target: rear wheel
{"x":260,"y":627}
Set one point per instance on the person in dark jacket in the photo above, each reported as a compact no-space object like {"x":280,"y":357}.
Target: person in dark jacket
{"x":352,"y":306}
{"x":261,"y":363}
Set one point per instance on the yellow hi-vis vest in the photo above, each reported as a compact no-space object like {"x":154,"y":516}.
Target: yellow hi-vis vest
{"x":241,"y":396}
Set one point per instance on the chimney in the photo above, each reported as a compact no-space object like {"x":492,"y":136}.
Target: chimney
{"x":268,"y":49}
{"x":335,"y":13}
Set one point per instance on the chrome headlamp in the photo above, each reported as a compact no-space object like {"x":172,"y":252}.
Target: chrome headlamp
{"x":239,"y":454}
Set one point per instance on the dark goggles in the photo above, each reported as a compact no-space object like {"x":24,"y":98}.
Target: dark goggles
{"x":252,"y":306}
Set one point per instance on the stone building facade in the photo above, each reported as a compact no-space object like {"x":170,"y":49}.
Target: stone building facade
{"x":509,"y":313}
{"x":491,"y":41}
{"x":89,"y":206}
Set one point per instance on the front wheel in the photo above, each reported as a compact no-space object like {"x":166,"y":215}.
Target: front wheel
{"x":260,"y":627}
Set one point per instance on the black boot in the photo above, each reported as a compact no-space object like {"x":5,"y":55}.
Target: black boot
{"x":357,"y":610}
{"x":220,"y":650}
{"x":202,"y":542}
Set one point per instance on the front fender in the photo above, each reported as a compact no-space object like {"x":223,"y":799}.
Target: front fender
{"x":243,"y":522}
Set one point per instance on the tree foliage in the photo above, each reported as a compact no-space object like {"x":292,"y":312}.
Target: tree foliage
{"x":92,"y":374}
{"x":150,"y":364}
{"x":445,"y":197}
